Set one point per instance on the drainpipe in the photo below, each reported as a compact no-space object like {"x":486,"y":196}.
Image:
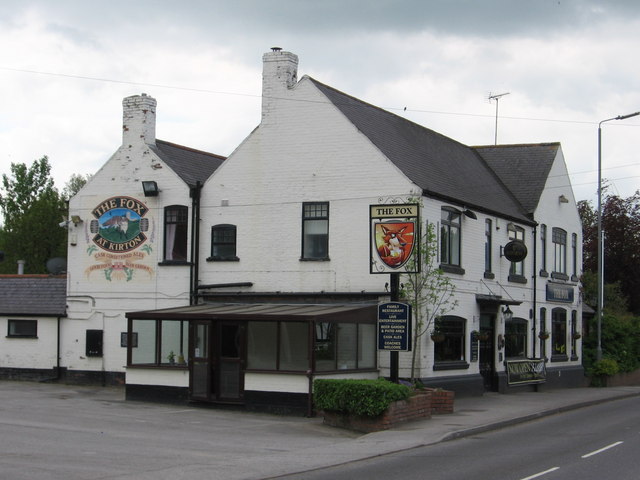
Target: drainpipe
{"x":535,"y":287}
{"x":195,"y":243}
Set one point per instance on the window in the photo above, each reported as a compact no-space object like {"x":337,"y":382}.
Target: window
{"x":175,"y":233}
{"x":22,"y":329}
{"x":450,"y":237}
{"x":543,"y":332}
{"x":449,"y":353}
{"x":284,"y":346}
{"x":515,"y":338}
{"x":315,"y":231}
{"x":559,"y":240}
{"x":487,"y":247}
{"x":558,"y":334}
{"x":574,"y":256}
{"x":543,"y":250}
{"x":223,"y":243}
{"x":159,"y":342}
{"x":516,"y":233}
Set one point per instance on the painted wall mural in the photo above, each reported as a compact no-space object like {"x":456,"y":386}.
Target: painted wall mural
{"x":120,"y":240}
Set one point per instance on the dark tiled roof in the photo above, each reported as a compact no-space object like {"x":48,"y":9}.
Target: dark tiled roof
{"x":441,"y":167}
{"x":191,"y":165}
{"x":33,"y":295}
{"x":522,"y":168}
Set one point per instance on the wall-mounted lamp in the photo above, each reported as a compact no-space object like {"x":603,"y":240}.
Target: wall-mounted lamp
{"x":76,"y":219}
{"x":507,"y":314}
{"x":150,"y":188}
{"x":563,"y":199}
{"x":470,"y":214}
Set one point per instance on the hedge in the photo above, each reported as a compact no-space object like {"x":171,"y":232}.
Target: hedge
{"x":357,"y":397}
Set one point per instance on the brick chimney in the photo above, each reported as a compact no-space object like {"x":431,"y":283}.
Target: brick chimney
{"x":279,"y":74}
{"x":139,"y":120}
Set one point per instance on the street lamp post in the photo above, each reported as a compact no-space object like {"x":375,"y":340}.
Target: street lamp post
{"x":600,"y":243}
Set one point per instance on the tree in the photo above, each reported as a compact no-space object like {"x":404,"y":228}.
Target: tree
{"x":621,"y":233}
{"x":429,"y":292}
{"x":75,"y":183}
{"x":32,"y":210}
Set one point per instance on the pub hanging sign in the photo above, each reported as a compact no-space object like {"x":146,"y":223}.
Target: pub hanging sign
{"x":394,"y":238}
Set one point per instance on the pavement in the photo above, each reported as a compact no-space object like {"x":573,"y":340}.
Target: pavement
{"x":76,"y":432}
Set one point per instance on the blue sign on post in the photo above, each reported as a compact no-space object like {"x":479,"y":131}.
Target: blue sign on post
{"x":394,"y":327}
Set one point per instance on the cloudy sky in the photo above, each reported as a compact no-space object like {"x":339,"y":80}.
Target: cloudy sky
{"x":66,"y":65}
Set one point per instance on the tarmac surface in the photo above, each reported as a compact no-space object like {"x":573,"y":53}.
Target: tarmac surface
{"x":71,"y":432}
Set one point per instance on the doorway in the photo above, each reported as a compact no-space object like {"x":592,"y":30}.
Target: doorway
{"x":487,"y":358}
{"x":217,"y":361}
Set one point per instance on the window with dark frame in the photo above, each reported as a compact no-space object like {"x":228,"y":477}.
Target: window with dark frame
{"x":22,"y":328}
{"x":515,"y":338}
{"x":543,"y":249}
{"x":158,"y":343}
{"x":543,"y":332}
{"x":574,"y":335}
{"x":450,"y":350}
{"x":223,"y":243}
{"x":315,"y":231}
{"x":450,"y":237}
{"x":558,"y":334}
{"x":176,"y":220}
{"x":574,"y":255}
{"x":559,"y":240}
{"x":487,"y":245}
{"x":516,"y":233}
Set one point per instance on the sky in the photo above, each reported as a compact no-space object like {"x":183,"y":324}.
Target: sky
{"x":563,"y":65}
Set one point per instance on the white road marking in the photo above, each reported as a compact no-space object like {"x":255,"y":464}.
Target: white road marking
{"x":541,"y":473}
{"x":602,"y":449}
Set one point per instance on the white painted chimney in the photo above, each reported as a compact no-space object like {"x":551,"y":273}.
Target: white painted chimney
{"x":21,"y":267}
{"x":279,"y":74}
{"x":139,"y":120}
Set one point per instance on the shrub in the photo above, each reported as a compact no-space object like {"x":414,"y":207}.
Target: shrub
{"x":601,"y":370}
{"x":357,"y":397}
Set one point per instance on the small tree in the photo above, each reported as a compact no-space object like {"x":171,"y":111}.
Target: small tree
{"x":429,"y":292}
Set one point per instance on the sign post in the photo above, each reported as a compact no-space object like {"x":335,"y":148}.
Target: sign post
{"x":394,"y":248}
{"x":394,"y":332}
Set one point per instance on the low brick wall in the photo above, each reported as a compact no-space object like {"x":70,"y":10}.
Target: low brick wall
{"x":417,"y":406}
{"x":441,"y":400}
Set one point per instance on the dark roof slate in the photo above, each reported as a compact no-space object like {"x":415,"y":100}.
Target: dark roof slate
{"x":440,"y":166}
{"x":33,"y":295}
{"x":190,"y":164}
{"x":524,"y":169}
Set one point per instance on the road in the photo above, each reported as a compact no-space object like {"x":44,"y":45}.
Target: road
{"x":599,"y":442}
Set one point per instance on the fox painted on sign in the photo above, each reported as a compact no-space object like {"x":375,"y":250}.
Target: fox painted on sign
{"x":394,"y":242}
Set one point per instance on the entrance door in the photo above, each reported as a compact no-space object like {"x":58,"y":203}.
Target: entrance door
{"x":217,"y":353}
{"x":487,"y":357}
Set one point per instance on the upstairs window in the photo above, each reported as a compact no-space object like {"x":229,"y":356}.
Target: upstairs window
{"x":450,"y":240}
{"x":315,"y":231}
{"x":175,"y":233}
{"x":223,"y":243}
{"x":559,"y":239}
{"x":516,"y":233}
{"x":487,"y":246}
{"x":543,"y":250}
{"x":574,"y":256}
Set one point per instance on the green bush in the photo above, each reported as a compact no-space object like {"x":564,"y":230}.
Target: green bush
{"x":620,"y":341}
{"x":357,"y":397}
{"x":601,"y":370}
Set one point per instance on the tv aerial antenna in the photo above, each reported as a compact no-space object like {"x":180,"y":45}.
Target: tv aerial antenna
{"x":496,"y":97}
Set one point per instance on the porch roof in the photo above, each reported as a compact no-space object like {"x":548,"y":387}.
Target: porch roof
{"x":351,"y":313}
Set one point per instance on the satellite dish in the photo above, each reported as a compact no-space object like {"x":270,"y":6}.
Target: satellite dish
{"x":57,"y":265}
